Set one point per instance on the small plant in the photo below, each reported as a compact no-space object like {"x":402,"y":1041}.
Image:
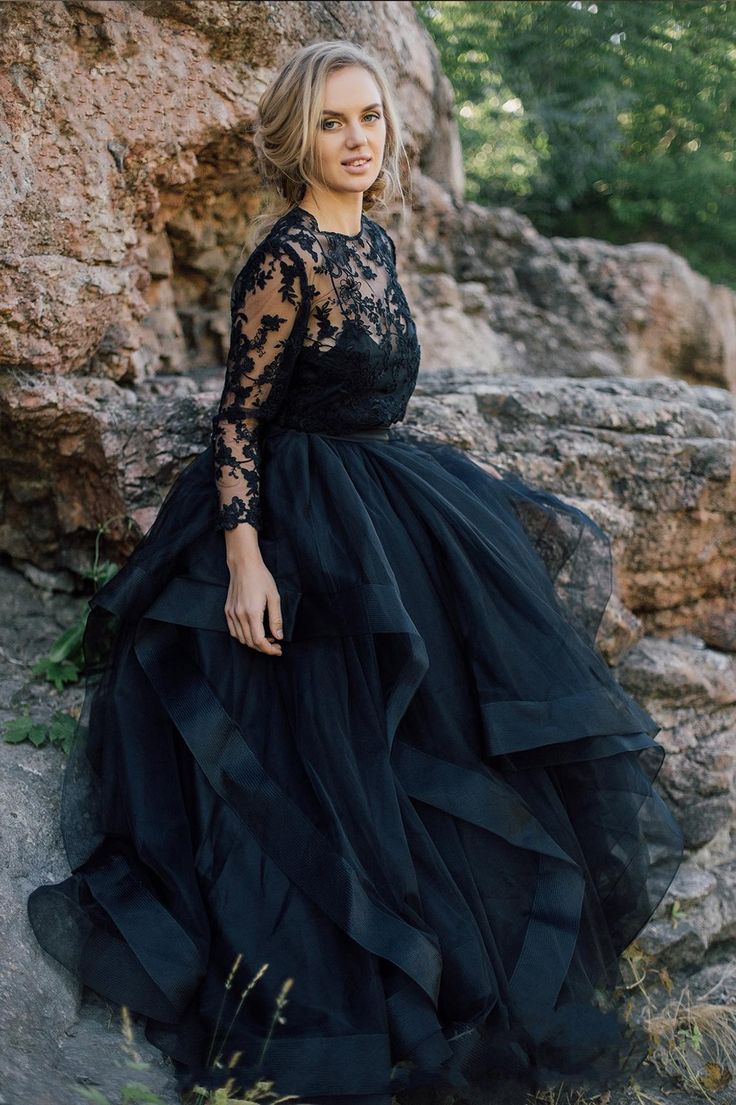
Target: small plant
{"x":639,"y":967}
{"x":59,"y":730}
{"x":63,"y":664}
{"x":676,"y":912}
{"x":261,"y":1092}
{"x":199,"y":1095}
{"x":559,"y":1095}
{"x":65,"y":661}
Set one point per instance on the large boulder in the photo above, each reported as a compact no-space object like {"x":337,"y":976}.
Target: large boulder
{"x":492,"y":295}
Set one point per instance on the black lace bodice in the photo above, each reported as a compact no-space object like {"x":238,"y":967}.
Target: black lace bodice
{"x":321,"y":339}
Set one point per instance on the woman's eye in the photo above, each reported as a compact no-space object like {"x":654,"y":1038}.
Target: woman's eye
{"x":370,"y":115}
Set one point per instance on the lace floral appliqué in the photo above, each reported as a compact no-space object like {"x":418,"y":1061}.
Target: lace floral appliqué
{"x":321,"y":339}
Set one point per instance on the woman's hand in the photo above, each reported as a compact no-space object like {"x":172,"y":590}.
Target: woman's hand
{"x":252,"y":591}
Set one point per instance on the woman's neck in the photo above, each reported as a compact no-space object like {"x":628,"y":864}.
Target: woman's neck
{"x":336,"y":218}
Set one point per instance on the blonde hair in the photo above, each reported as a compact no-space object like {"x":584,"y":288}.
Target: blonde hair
{"x":284,"y":137}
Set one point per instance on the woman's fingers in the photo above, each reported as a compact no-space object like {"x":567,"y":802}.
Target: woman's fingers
{"x":274,"y":614}
{"x":245,"y":626}
{"x":237,"y":622}
{"x":260,"y":640}
{"x":234,"y":625}
{"x":245,"y":606}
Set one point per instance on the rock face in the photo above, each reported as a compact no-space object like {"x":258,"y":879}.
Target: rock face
{"x":114,"y":452}
{"x":604,"y":373}
{"x":494,"y":296}
{"x":128,"y":176}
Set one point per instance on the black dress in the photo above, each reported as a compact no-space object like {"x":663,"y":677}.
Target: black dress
{"x":434,"y":813}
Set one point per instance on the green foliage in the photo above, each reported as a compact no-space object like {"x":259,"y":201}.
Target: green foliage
{"x":676,"y":912}
{"x":62,"y":664}
{"x":610,"y":118}
{"x":59,"y":730}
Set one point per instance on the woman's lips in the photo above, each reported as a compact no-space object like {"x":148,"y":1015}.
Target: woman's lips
{"x":357,"y":168}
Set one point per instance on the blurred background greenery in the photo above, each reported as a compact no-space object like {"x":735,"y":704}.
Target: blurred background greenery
{"x":612,"y":119}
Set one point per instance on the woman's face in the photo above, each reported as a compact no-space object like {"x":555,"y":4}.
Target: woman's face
{"x":352,"y":126}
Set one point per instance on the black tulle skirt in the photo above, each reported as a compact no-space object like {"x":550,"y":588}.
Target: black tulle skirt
{"x":408,"y":852}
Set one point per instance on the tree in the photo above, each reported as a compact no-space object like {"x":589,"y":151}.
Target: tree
{"x":612,"y":119}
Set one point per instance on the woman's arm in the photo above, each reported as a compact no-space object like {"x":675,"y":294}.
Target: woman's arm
{"x":269,"y":312}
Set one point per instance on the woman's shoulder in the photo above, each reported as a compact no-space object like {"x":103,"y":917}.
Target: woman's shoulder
{"x":286,"y":236}
{"x":294,"y":234}
{"x":281,"y":243}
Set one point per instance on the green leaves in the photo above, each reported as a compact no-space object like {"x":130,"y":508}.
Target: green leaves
{"x":612,"y":119}
{"x":62,"y":664}
{"x":59,"y":730}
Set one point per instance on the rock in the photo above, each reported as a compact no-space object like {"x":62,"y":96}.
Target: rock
{"x":568,"y":306}
{"x":111,"y":464}
{"x":703,"y":928}
{"x":52,"y":1042}
{"x":691,"y":691}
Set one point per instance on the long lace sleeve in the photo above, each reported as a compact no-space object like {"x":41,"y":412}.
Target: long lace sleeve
{"x":269,"y":307}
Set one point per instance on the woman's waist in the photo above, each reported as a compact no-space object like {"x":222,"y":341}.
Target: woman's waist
{"x":378,"y":432}
{"x":367,"y":432}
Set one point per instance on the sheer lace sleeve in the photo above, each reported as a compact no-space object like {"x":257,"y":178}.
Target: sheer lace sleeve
{"x":269,"y":308}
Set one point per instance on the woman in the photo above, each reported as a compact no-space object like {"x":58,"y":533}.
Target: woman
{"x":355,"y":803}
